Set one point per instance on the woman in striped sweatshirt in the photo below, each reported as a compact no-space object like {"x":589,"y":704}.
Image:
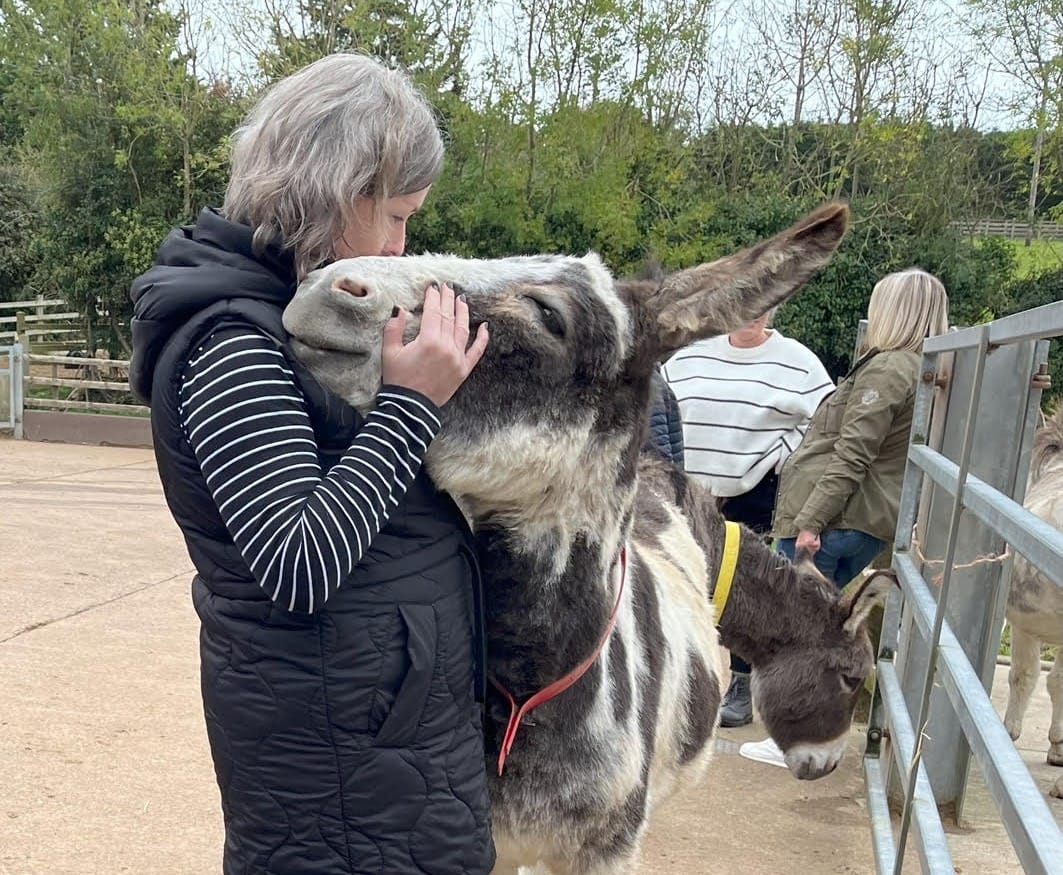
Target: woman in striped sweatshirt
{"x":341,"y":642}
{"x":745,"y":399}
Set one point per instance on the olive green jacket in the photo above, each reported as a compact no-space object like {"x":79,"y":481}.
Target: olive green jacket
{"x":847,"y":472}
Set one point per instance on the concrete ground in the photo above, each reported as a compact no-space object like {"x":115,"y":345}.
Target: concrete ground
{"x":104,"y":765}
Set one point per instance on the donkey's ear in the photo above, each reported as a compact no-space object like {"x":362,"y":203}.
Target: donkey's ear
{"x":857,"y":602}
{"x":719,"y":297}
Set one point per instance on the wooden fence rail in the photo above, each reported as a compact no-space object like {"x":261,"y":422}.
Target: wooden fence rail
{"x":35,"y":318}
{"x":45,"y":332}
{"x":108,"y":378}
{"x":62,"y":383}
{"x":80,"y":361}
{"x":1010,"y":228}
{"x":37,"y":303}
{"x":46,"y":339}
{"x":31,"y":333}
{"x":85,"y":406}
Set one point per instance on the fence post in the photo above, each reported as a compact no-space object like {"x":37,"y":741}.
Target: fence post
{"x":22,"y":332}
{"x":17,"y":388}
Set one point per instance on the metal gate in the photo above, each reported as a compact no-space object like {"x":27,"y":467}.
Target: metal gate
{"x":960,"y":509}
{"x":11,"y":389}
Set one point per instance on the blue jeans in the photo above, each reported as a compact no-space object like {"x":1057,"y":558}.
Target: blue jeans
{"x":842,"y":553}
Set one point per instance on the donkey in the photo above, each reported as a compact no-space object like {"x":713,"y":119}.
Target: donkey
{"x":599,"y":561}
{"x":1035,"y":604}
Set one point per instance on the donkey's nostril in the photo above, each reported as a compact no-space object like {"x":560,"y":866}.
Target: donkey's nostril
{"x":351,"y":287}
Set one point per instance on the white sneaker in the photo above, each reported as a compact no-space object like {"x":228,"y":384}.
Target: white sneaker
{"x":766,"y":751}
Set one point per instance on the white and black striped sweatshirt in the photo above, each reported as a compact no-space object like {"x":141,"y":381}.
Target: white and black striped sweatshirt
{"x":300,"y":533}
{"x":744,"y":410}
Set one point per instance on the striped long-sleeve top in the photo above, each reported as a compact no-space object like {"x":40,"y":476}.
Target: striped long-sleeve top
{"x":301,"y":532}
{"x":744,"y":410}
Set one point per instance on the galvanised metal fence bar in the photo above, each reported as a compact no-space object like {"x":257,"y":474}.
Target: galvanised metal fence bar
{"x":920,"y":626}
{"x":1037,"y":839}
{"x":878,"y":811}
{"x":950,"y":556}
{"x":1035,"y":324}
{"x":933,"y":847}
{"x":1039,"y":542}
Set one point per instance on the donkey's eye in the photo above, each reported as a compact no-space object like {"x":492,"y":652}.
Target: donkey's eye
{"x":852,"y":682}
{"x":552,"y":322}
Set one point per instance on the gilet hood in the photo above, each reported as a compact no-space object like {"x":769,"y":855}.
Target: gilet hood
{"x":197,"y":266}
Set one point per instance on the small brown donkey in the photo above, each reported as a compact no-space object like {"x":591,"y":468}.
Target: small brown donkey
{"x":541,"y":448}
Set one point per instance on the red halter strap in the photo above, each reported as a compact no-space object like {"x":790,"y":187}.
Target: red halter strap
{"x":516,"y":715}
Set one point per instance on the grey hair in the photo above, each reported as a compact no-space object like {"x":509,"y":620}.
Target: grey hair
{"x":768,"y":316}
{"x":905,"y":308}
{"x":343,"y":127}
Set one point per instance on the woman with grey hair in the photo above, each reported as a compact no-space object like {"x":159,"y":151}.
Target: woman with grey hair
{"x":341,"y":638}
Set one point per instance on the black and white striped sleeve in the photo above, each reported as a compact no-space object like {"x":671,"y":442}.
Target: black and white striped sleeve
{"x":300,"y":533}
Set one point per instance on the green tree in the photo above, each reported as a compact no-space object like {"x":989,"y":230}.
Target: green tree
{"x":17,"y":219}
{"x":428,"y":38}
{"x":1025,"y":37}
{"x":104,"y":99}
{"x":1036,"y":291}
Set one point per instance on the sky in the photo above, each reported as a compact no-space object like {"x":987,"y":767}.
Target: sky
{"x":227,"y":32}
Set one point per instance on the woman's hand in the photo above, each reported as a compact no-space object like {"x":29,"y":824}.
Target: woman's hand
{"x":808,"y":541}
{"x":439,"y":358}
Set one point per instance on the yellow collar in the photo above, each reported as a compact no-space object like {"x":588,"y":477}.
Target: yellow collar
{"x":732,"y":539}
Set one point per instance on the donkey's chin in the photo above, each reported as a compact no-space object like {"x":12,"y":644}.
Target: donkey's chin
{"x":353,"y":373}
{"x":811,"y":761}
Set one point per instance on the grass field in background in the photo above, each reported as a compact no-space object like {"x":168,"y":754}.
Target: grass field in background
{"x":1040,"y":255}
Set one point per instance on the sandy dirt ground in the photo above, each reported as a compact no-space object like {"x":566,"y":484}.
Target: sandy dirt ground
{"x":104,"y":765}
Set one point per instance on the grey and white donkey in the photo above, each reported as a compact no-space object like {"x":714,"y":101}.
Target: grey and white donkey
{"x":1035,"y":603}
{"x":541,"y":448}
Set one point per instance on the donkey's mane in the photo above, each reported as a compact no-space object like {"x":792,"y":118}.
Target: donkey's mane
{"x":787,"y":599}
{"x":795,"y":583}
{"x":1048,"y":444}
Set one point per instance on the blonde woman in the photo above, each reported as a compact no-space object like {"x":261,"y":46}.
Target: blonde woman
{"x":839,"y":493}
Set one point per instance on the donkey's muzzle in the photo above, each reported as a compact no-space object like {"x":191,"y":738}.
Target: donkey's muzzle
{"x":807,"y":762}
{"x":809,"y":771}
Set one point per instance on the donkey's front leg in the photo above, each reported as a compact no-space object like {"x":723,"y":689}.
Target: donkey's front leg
{"x":1022,"y":678}
{"x":515,"y":858}
{"x":1055,"y":728}
{"x":624,"y":864}
{"x":510,"y":869}
{"x":617,"y":855}
{"x":507,"y":864}
{"x":627,"y":865}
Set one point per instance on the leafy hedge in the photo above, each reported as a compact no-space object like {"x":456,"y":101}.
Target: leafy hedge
{"x":1036,"y":291}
